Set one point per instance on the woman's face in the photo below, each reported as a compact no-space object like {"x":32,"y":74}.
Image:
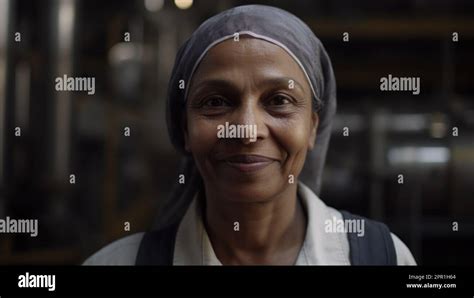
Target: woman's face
{"x":251,"y":84}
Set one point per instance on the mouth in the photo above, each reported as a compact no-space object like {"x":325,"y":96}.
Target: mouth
{"x":248,"y":163}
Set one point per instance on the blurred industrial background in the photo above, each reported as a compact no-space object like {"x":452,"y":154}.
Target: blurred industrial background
{"x":129,"y":47}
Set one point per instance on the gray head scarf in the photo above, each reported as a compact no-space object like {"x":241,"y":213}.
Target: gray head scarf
{"x":270,"y":24}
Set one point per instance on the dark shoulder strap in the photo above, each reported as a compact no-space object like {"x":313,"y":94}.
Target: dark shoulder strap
{"x":375,"y":247}
{"x":157,"y":247}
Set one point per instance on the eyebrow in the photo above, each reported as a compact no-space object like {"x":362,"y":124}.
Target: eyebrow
{"x":219,"y":83}
{"x":284,"y":81}
{"x":222,"y":83}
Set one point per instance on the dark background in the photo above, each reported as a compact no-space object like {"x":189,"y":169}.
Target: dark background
{"x":128,"y":178}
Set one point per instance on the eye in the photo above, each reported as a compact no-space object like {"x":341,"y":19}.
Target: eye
{"x":279,"y":100}
{"x":215,"y":101}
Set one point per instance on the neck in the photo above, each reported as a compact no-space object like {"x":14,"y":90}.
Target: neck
{"x":270,"y":232}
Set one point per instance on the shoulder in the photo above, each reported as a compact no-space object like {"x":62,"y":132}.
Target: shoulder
{"x":120,"y":252}
{"x":404,"y":256}
{"x":376,"y":228}
{"x":315,"y":205}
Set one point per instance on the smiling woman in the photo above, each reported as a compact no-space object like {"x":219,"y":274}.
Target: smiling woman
{"x":242,"y":204}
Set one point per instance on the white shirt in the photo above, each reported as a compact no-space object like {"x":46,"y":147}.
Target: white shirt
{"x":193,"y":247}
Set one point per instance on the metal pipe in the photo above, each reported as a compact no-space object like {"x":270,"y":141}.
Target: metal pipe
{"x":64,"y":21}
{"x":5,"y":12}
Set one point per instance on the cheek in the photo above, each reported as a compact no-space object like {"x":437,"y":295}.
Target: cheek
{"x":202,"y":135}
{"x":292,"y":136}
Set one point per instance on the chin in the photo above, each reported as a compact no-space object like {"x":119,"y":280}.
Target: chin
{"x":251,"y":192}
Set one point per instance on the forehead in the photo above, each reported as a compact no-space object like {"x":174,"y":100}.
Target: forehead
{"x":248,"y":58}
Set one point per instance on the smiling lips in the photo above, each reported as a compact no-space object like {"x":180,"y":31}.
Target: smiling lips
{"x":248,"y":163}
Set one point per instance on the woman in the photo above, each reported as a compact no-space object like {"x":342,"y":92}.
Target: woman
{"x":254,"y":69}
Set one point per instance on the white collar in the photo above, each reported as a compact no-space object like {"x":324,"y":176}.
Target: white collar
{"x":193,"y":246}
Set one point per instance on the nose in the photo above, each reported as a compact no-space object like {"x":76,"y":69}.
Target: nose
{"x":251,"y":116}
